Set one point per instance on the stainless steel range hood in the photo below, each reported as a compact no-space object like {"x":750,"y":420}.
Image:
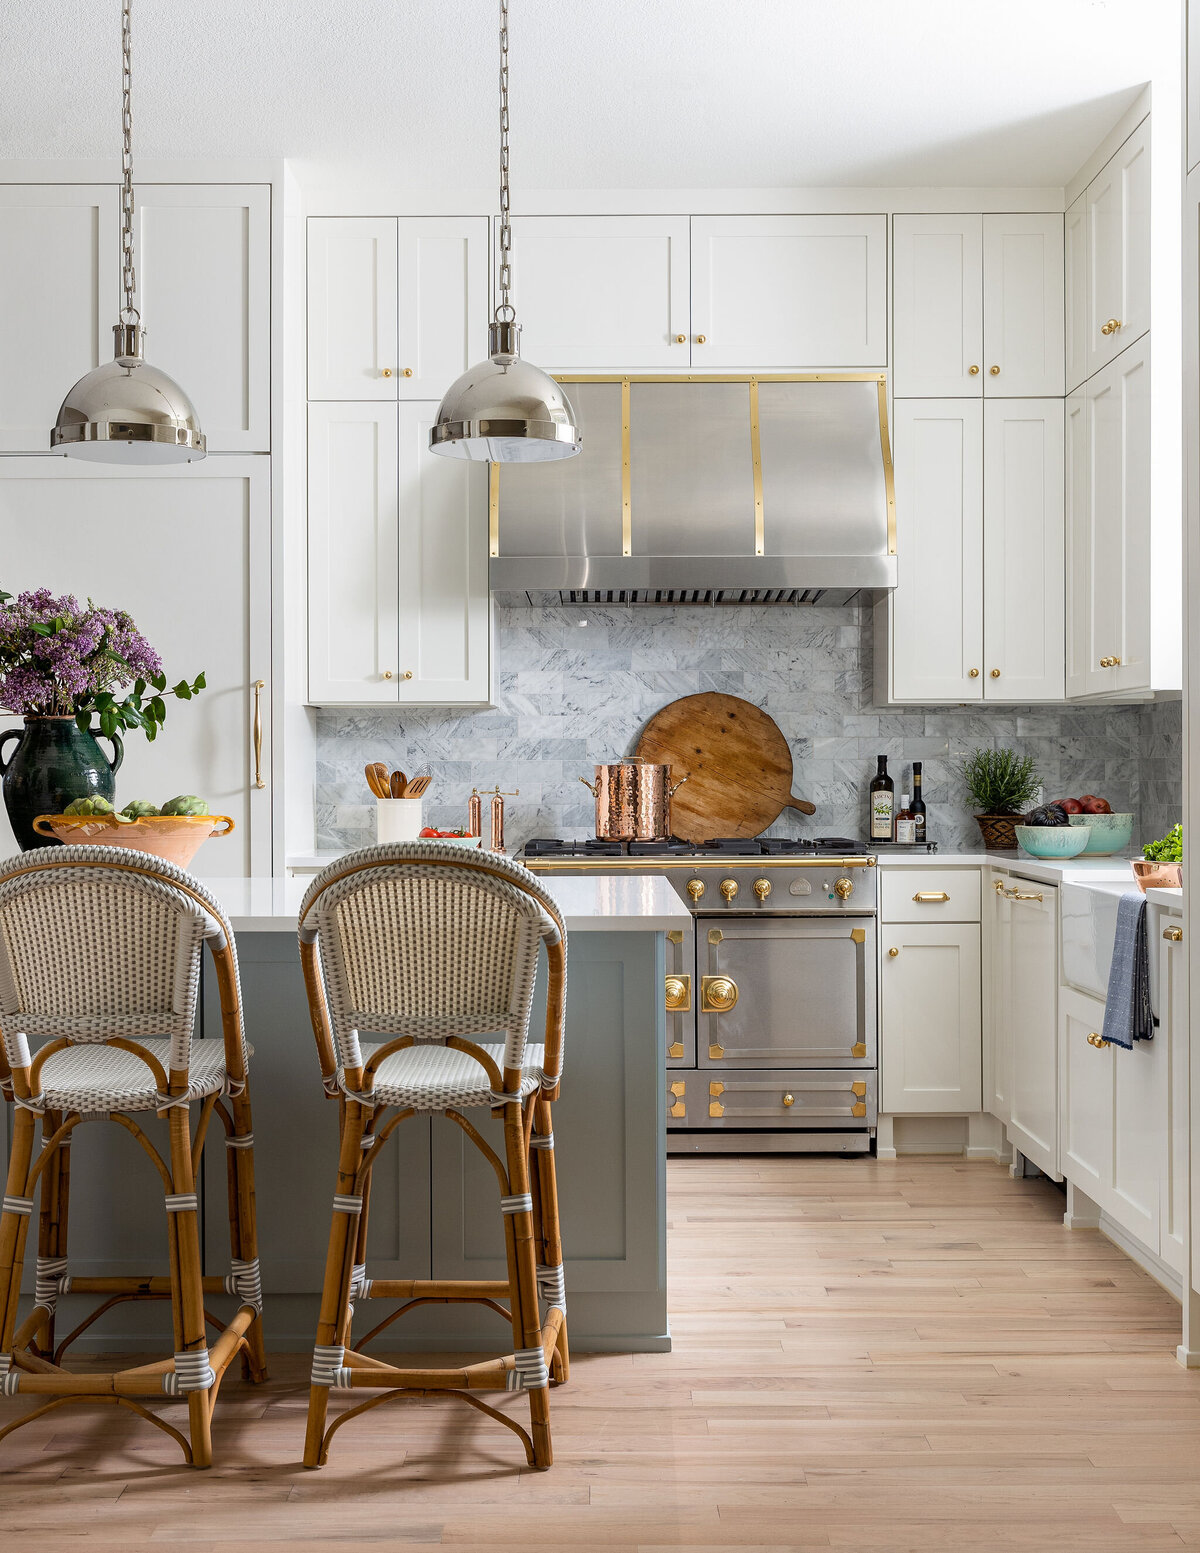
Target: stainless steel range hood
{"x":696,"y":489}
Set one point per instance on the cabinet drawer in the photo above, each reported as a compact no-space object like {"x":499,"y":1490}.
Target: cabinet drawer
{"x":927,"y":894}
{"x":796,"y":1097}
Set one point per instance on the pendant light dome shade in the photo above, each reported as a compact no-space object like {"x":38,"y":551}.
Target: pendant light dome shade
{"x":505,"y":410}
{"x":126,"y":412}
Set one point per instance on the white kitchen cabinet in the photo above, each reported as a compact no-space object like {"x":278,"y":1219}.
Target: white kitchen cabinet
{"x":59,"y":278}
{"x":1023,"y":550}
{"x":977,"y":613}
{"x":1075,"y":301}
{"x":192,"y":565}
{"x":936,"y":614}
{"x":1085,"y":1096}
{"x":1027,"y":991}
{"x":1078,"y":547}
{"x":931,"y":1050}
{"x":978,"y":305}
{"x":1172,"y":1006}
{"x":604,"y":293}
{"x":1118,"y":241}
{"x":779,"y":293}
{"x":399,"y":611}
{"x":397,"y":307}
{"x":996,"y":924}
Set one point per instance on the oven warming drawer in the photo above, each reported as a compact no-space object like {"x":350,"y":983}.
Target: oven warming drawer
{"x":797,"y":1098}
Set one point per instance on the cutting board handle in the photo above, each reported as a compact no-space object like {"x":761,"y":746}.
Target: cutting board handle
{"x":802,"y":804}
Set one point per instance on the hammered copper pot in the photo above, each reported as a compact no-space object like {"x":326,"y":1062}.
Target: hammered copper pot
{"x":633,"y":800}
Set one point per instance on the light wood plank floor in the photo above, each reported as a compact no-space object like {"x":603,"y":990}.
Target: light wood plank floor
{"x":884,"y":1357}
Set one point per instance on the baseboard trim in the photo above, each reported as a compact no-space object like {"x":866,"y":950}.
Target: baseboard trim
{"x":1149,"y":1261}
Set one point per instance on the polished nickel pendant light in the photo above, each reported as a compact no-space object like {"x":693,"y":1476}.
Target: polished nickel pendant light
{"x":504,"y":410}
{"x":126,"y":412}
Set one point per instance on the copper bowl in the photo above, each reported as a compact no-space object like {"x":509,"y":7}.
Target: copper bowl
{"x":1157,"y":876}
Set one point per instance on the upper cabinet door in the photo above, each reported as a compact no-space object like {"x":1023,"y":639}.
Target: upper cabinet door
{"x":784,"y":293}
{"x":352,"y":296}
{"x":1023,"y":305}
{"x":1075,"y":272}
{"x":204,"y":288}
{"x":937,"y":296}
{"x":937,"y":626}
{"x":1078,"y":524}
{"x":1118,"y":210}
{"x":603,"y":293}
{"x":444,"y":604}
{"x":1023,"y":550}
{"x":59,"y":274}
{"x":443,"y":301}
{"x":353,"y":625}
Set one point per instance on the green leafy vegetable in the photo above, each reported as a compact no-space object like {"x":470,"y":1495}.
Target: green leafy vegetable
{"x":1168,"y":850}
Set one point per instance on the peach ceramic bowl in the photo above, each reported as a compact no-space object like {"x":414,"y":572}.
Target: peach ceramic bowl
{"x":176,"y":838}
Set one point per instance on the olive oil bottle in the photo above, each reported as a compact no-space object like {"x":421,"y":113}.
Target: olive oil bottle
{"x":882,"y":802}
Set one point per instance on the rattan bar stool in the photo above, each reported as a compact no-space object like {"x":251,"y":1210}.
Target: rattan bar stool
{"x":435,"y":949}
{"x":100,"y":958}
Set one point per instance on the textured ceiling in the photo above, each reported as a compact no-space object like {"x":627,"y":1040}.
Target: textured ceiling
{"x":605,"y":93}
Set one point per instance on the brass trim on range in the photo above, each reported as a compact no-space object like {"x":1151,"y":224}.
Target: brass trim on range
{"x":718,"y":994}
{"x":493,"y":509}
{"x":715,"y":1051}
{"x":715,"y":935}
{"x":889,"y":472}
{"x":679,"y":997}
{"x":626,"y":474}
{"x":675,"y":936}
{"x":859,"y":1049}
{"x":678,"y":1107}
{"x":858,"y":1089}
{"x":645,"y":865}
{"x":715,"y":1107}
{"x":858,"y":935}
{"x":756,"y":461}
{"x":859,"y":1108}
{"x":675,"y":1050}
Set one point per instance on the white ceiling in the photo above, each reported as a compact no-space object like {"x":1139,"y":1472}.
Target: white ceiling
{"x":605,"y":93}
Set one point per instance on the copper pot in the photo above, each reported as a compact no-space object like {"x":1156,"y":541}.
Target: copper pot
{"x":633,"y":800}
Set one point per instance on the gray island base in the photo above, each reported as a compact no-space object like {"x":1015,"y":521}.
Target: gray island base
{"x":433,"y":1211}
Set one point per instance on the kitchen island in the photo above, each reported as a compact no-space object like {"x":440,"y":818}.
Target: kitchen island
{"x":434,"y":1210}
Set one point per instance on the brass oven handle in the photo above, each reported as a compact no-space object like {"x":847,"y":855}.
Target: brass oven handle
{"x":259,"y":687}
{"x":679,"y":995}
{"x":718,"y":994}
{"x":930,"y":897}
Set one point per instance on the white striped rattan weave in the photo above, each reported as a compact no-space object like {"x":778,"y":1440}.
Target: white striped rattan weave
{"x":433,"y":1078}
{"x":96,"y":944}
{"x":108,"y":1078}
{"x":417,"y":940}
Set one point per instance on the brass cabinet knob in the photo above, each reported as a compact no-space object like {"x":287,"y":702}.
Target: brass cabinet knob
{"x":1097,"y":1041}
{"x":387,"y":673}
{"x":681,"y":339}
{"x":702,"y":339}
{"x":995,"y":673}
{"x":844,"y":889}
{"x":1114,"y":663}
{"x":972,"y":673}
{"x":695,"y":888}
{"x":995,"y":371}
{"x":678,"y":995}
{"x":789,"y":1099}
{"x":892,"y":953}
{"x":974,"y":371}
{"x":729,"y":889}
{"x":408,"y":673}
{"x":1111,"y":326}
{"x":762,"y":888}
{"x":408,"y":372}
{"x":1173,"y":935}
{"x":386,"y":372}
{"x":718,"y":994}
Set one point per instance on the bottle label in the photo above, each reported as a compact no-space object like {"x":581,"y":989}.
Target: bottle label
{"x":882,"y":805}
{"x":906,"y":832}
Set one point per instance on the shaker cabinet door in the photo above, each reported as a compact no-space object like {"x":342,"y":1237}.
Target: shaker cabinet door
{"x":1022,"y":305}
{"x":442,"y":301}
{"x":59,"y":280}
{"x":352,"y":298}
{"x":937,"y":298}
{"x":1078,"y":548}
{"x":931,"y":1048}
{"x":1075,"y":301}
{"x":1031,"y":993}
{"x":1118,"y":211}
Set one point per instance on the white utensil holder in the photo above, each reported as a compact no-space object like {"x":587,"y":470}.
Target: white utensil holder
{"x":397,"y":819}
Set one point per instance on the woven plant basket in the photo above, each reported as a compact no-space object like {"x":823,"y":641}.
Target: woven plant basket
{"x":999,"y":831}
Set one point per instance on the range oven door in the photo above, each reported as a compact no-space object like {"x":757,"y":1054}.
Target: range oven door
{"x":786,"y":992}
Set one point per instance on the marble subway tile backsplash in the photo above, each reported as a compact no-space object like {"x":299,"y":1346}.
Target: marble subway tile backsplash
{"x":576,"y":684}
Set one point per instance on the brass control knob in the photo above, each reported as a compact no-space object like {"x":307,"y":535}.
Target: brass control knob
{"x":762,"y":888}
{"x":729,"y":888}
{"x":789,"y":1099}
{"x":718,"y":994}
{"x":844,"y":889}
{"x":695,"y":888}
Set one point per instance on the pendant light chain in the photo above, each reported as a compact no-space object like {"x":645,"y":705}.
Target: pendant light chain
{"x":504,"y":309}
{"x":128,"y":278}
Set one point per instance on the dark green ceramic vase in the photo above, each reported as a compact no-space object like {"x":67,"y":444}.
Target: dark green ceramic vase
{"x":54,"y":762}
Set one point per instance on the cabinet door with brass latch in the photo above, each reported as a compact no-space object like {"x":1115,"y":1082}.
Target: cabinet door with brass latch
{"x":931,"y":1045}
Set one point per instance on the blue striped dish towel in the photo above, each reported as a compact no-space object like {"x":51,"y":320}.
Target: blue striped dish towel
{"x":1128,"y":1009}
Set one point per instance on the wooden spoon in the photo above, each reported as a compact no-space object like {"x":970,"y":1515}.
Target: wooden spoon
{"x":398,"y":784}
{"x":417,"y":786}
{"x":377,"y":779}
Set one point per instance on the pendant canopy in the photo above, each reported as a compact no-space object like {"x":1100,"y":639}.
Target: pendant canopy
{"x":505,"y":410}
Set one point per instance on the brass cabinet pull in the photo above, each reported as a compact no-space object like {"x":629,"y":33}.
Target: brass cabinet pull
{"x":259,"y":687}
{"x":387,"y":674}
{"x":789,"y":1099}
{"x":999,"y":883}
{"x":718,"y":994}
{"x":1097,"y":1041}
{"x":677,"y":1107}
{"x":892,"y":953}
{"x":972,"y":673}
{"x":1173,"y":935}
{"x":408,"y":673}
{"x":681,"y":339}
{"x":715,"y":1107}
{"x":408,"y":372}
{"x":974,"y":371}
{"x":1017,"y":895}
{"x":1110,"y":663}
{"x":679,"y":997}
{"x":702,"y":339}
{"x":995,"y":371}
{"x":1111,"y":326}
{"x":995,"y":673}
{"x":930,"y":897}
{"x":386,"y":372}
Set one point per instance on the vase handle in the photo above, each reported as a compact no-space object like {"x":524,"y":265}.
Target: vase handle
{"x":114,"y":765}
{"x":9,"y":733}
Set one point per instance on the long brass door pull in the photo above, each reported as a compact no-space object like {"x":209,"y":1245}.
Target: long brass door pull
{"x":259,"y":687}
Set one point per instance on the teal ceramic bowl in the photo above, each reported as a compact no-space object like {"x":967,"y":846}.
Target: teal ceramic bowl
{"x":1053,"y":841}
{"x":1108,"y":833}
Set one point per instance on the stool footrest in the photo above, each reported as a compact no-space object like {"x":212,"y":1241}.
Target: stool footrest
{"x":439,"y":1289}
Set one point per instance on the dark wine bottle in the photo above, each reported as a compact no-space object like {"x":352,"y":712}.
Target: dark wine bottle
{"x":918,"y":805}
{"x":883,"y":802}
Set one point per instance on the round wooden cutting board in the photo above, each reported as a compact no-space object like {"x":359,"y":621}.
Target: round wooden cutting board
{"x":738,"y":765}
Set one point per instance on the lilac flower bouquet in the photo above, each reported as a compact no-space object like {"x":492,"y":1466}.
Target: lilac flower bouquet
{"x":60,"y":659}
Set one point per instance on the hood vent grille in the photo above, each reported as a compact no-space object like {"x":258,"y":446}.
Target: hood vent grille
{"x":694,"y":596}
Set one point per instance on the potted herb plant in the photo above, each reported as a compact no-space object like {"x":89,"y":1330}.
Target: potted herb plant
{"x":61,"y":665}
{"x":1001,"y":783}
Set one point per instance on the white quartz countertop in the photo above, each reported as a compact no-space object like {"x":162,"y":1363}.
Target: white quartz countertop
{"x":1076,"y":870}
{"x":606,"y":903}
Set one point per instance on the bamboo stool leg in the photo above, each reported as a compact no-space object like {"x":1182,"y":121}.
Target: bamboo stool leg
{"x":14,"y":1220}
{"x":187,"y":1288}
{"x":243,"y":1220}
{"x":545,"y":1190}
{"x":339,"y":1269}
{"x":52,"y":1224}
{"x":524,"y":1288}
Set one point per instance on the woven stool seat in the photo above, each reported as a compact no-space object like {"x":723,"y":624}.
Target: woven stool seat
{"x":107,"y":1078}
{"x":431,"y":1078}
